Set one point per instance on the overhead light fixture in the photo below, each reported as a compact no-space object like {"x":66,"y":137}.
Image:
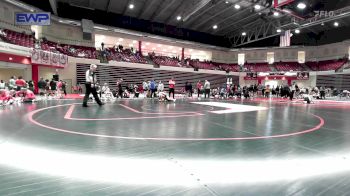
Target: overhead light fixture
{"x":276,"y":14}
{"x":237,"y":6}
{"x":336,"y":24}
{"x":61,"y":21}
{"x":301,"y":5}
{"x":226,"y":2}
{"x":297,"y":31}
{"x":32,"y":10}
{"x":10,"y":58}
{"x":131,"y":6}
{"x":322,"y":24}
{"x":244,"y":33}
{"x":215,"y":26}
{"x":257,"y":7}
{"x":178,"y":18}
{"x":279,"y":30}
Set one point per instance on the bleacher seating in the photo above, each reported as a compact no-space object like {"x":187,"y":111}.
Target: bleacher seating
{"x":202,"y":65}
{"x":326,"y":65}
{"x":17,"y":38}
{"x":257,"y":67}
{"x":127,"y":55}
{"x":228,"y":67}
{"x":288,"y":66}
{"x":166,"y":61}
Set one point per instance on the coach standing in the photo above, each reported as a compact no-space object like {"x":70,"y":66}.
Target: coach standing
{"x":172,"y":87}
{"x":90,"y":84}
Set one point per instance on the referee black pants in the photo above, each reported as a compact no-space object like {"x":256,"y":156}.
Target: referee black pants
{"x":89,"y":90}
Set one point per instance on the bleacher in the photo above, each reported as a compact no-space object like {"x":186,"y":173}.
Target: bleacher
{"x":326,"y":65}
{"x":288,"y":66}
{"x":17,"y":38}
{"x":127,"y":55}
{"x":257,"y":67}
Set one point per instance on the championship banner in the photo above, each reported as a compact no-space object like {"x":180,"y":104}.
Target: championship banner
{"x":42,"y":57}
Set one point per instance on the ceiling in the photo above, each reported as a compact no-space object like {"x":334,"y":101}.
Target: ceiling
{"x":202,"y":15}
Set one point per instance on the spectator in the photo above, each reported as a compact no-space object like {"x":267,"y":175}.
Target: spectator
{"x":41,"y":86}
{"x":153,"y":88}
{"x":199,"y":87}
{"x":172,"y":87}
{"x":12,"y":83}
{"x":206,"y":89}
{"x":2,"y":84}
{"x":20,"y":83}
{"x":160,"y":87}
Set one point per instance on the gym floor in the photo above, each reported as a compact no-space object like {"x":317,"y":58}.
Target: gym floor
{"x":189,"y":147}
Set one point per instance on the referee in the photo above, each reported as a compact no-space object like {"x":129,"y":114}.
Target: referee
{"x":90,"y":84}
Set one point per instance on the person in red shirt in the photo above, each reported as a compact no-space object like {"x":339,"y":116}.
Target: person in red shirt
{"x":20,"y":83}
{"x":199,"y":88}
{"x":172,"y":87}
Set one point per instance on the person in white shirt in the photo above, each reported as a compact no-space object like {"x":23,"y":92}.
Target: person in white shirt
{"x":160,"y":87}
{"x":90,"y":84}
{"x":12,"y":83}
{"x":206,"y":89}
{"x":2,"y":84}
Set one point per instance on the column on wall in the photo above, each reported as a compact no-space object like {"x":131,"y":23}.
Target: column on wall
{"x":182,"y":54}
{"x":140,"y":48}
{"x":35,"y":76}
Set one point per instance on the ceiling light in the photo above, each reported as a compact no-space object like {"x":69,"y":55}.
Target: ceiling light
{"x":336,"y":24}
{"x":131,"y":6}
{"x":237,"y":6}
{"x":301,"y":5}
{"x":257,"y":7}
{"x":178,"y":18}
{"x":279,"y":30}
{"x":10,"y":58}
{"x":61,"y":21}
{"x":322,"y":24}
{"x":226,"y":2}
{"x":215,"y":26}
{"x":297,"y":31}
{"x":276,"y":14}
{"x":244,"y":33}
